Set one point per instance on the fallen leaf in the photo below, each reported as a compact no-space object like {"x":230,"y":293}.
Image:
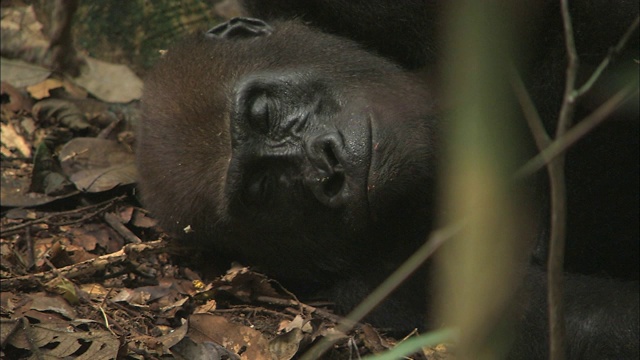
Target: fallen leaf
{"x":41,"y":90}
{"x":89,"y":235}
{"x":98,"y":180}
{"x":285,"y":346}
{"x":142,"y":220}
{"x":174,"y":337}
{"x":208,"y":307}
{"x":14,"y":191}
{"x":95,"y":165}
{"x":57,"y":341}
{"x":7,"y":328}
{"x":12,"y":140}
{"x":21,"y":74}
{"x":110,"y":82}
{"x":187,"y":349}
{"x":66,"y":112}
{"x":250,"y":344}
{"x":16,"y":100}
{"x":55,"y":303}
{"x":94,"y":291}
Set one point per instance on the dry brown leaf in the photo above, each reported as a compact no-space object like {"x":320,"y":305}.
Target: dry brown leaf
{"x":21,"y":74}
{"x":234,"y":337}
{"x":95,"y":165}
{"x":55,"y":340}
{"x":16,"y":101}
{"x":94,"y":291}
{"x":12,"y":140}
{"x":285,"y":346}
{"x":110,"y":82}
{"x":54,"y":303}
{"x":142,"y":220}
{"x":42,"y":90}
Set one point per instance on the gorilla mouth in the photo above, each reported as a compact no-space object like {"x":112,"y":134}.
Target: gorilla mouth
{"x":333,"y":184}
{"x":369,"y":167}
{"x":368,"y":179}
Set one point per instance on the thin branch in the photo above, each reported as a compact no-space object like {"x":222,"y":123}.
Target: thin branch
{"x":552,"y":154}
{"x":84,"y":268}
{"x":577,"y":132}
{"x":607,"y":60}
{"x":436,"y":239}
{"x":105,"y":205}
{"x":529,"y":110}
{"x":569,"y":99}
{"x":114,"y":222}
{"x":555,"y":265}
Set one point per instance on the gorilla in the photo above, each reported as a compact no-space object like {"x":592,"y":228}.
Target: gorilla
{"x":286,"y":145}
{"x":309,"y":150}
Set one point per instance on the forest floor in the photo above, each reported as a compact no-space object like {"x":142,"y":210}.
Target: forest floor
{"x":86,"y":273}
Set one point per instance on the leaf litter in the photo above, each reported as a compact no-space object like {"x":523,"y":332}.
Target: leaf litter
{"x":85,"y":272}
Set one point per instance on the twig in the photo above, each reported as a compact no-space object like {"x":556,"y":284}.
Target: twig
{"x":7,"y":230}
{"x":119,"y":227}
{"x":436,"y":239}
{"x":87,"y":267}
{"x":577,"y":132}
{"x":529,"y":110}
{"x":105,"y":317}
{"x":555,"y":265}
{"x":552,"y":154}
{"x":255,"y":310}
{"x":300,"y":305}
{"x":607,"y":60}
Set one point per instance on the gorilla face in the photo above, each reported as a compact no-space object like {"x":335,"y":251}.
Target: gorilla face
{"x":285,"y":147}
{"x":297,"y":152}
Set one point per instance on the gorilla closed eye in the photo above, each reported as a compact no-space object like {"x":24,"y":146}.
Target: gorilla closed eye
{"x":259,"y":114}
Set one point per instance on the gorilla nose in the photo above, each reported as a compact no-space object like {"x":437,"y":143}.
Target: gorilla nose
{"x":325,"y":176}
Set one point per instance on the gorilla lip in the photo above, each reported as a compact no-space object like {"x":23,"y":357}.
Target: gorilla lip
{"x":368,"y":179}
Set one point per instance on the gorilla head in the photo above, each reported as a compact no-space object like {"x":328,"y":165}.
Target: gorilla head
{"x":289,"y":149}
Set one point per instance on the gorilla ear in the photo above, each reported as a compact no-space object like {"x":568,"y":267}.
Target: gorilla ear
{"x":240,"y":28}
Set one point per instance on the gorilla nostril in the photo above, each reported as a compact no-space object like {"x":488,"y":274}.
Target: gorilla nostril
{"x":329,"y":154}
{"x":326,"y":176}
{"x":324,"y":152}
{"x":332,"y":185}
